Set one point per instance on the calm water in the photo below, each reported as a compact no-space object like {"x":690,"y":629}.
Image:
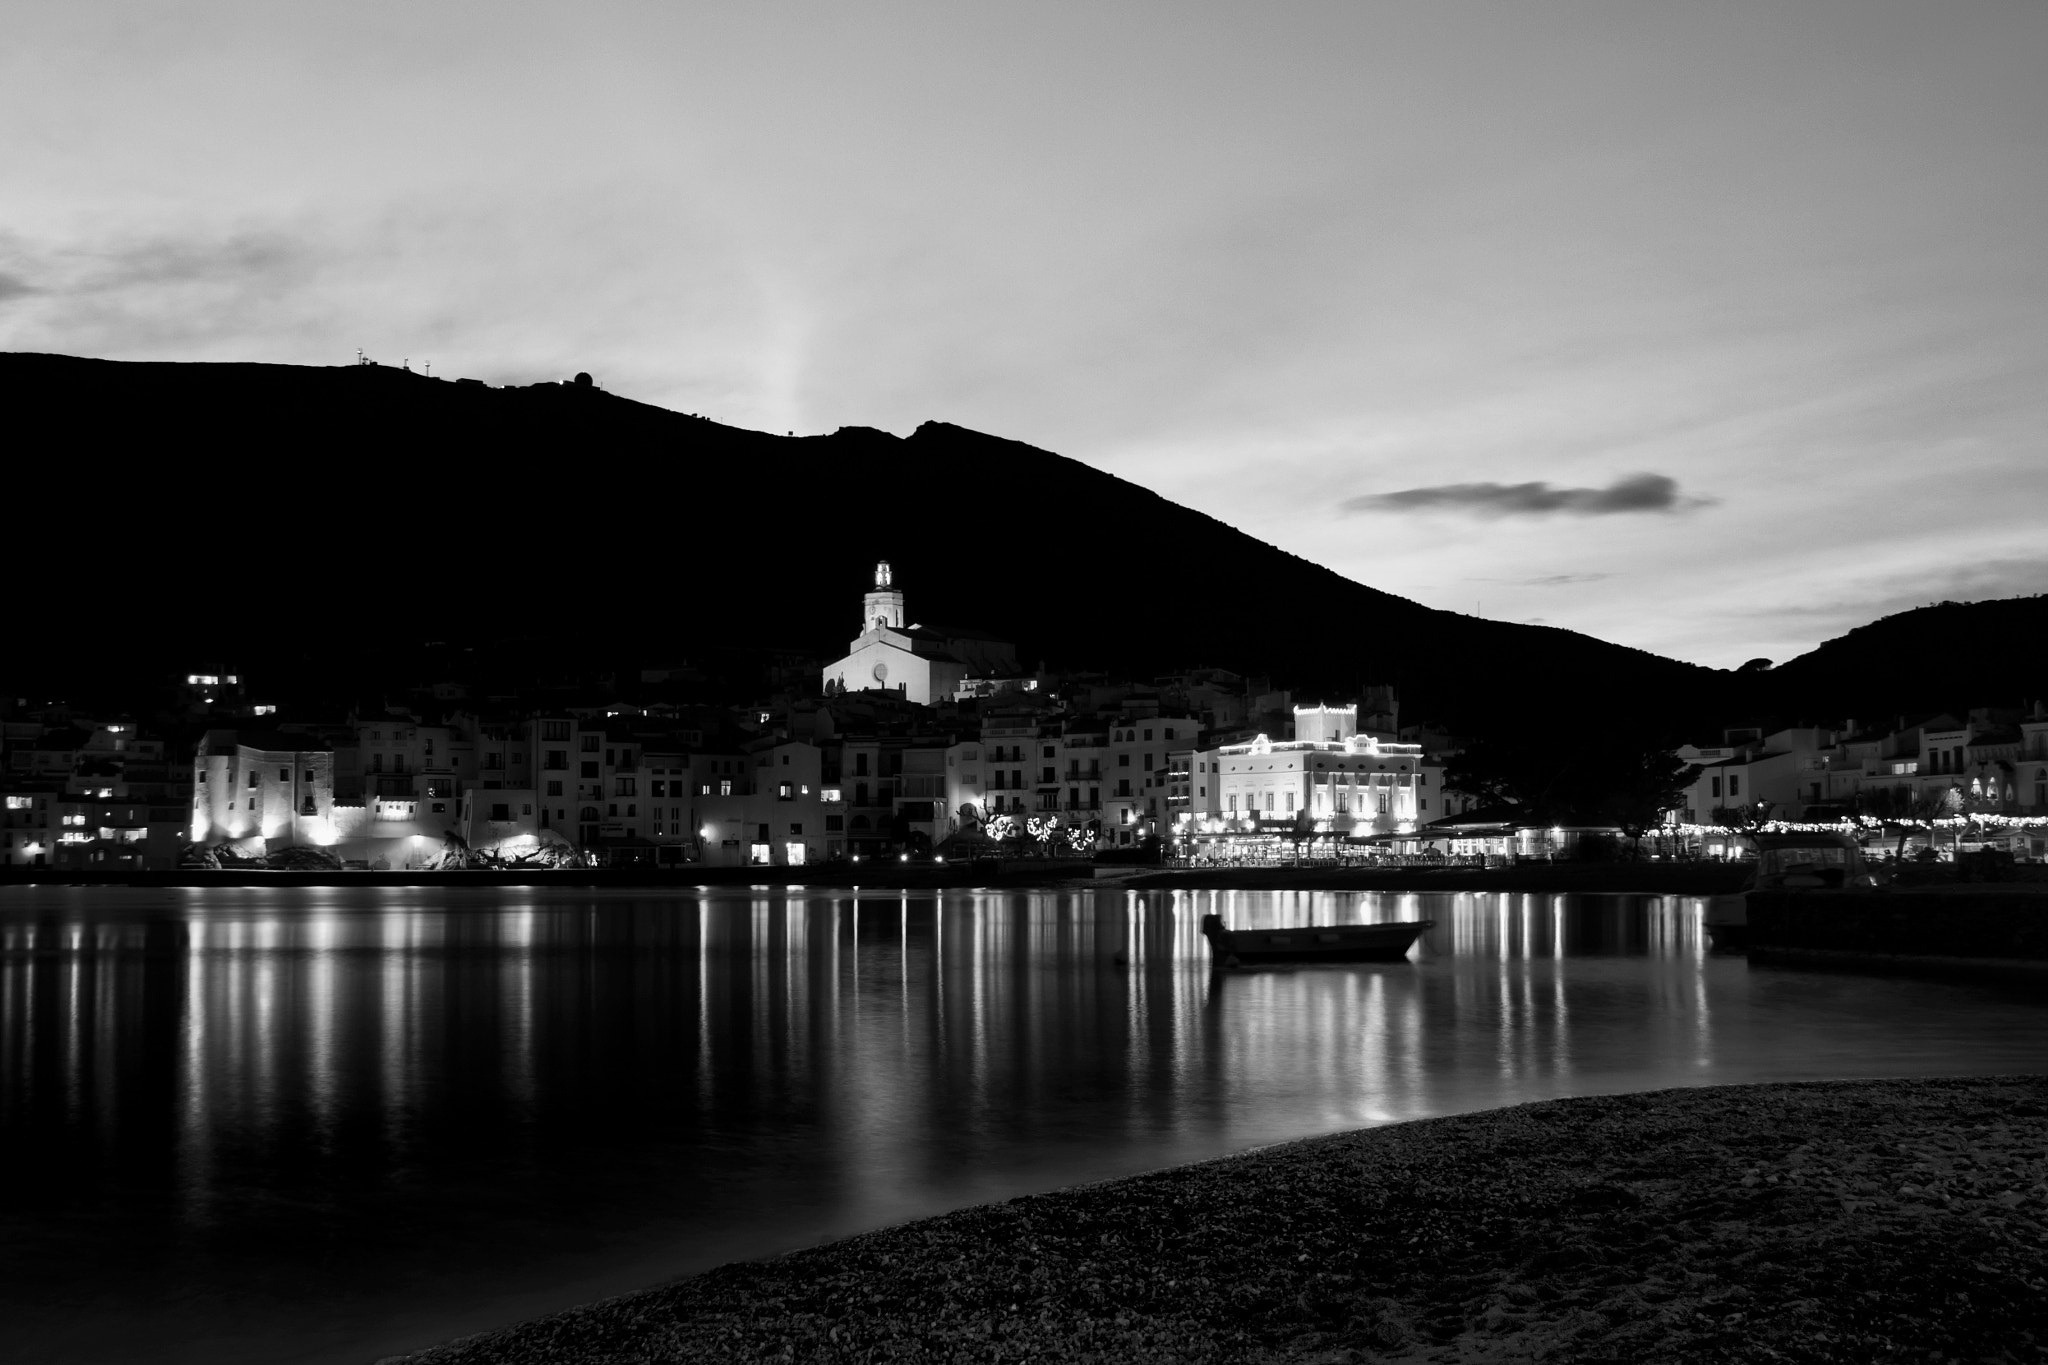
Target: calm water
{"x":327,"y":1125}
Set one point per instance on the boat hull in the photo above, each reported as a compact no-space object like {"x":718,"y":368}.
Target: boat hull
{"x":1312,"y":943}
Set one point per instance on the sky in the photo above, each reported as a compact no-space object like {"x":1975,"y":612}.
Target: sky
{"x":1710,"y":329}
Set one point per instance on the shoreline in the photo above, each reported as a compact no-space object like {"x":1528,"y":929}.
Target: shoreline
{"x":1828,"y":1220}
{"x":1654,"y":879}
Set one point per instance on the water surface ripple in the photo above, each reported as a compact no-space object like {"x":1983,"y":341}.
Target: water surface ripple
{"x":329,"y":1124}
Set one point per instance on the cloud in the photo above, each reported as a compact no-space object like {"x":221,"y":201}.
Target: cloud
{"x":168,"y":292}
{"x":1633,"y":493}
{"x":1559,"y":580}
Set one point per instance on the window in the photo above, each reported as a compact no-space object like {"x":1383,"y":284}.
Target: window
{"x":611,"y":808}
{"x":501,"y":812}
{"x":1714,"y":786}
{"x":526,"y":808}
{"x":1384,"y":798}
{"x":252,"y":803}
{"x":1148,"y":734}
{"x":440,"y":806}
{"x":554,"y":729}
{"x":1045,"y":775}
{"x":660,"y":788}
{"x":632,"y":810}
{"x":590,"y":744}
{"x":625,"y":786}
{"x":1123,"y":760}
{"x":254,"y":778}
{"x":796,"y":831}
{"x":1269,"y":800}
{"x":703,"y":789}
{"x":1148,"y":763}
{"x":1123,"y":788}
{"x":785,"y":760}
{"x":785,"y":791}
{"x":860,"y":765}
{"x":555,"y":761}
{"x":1735,"y":784}
{"x":590,"y":769}
{"x":835,"y":824}
{"x":725,"y":786}
{"x":1048,"y":751}
{"x":611,"y":758}
{"x":555,"y":787}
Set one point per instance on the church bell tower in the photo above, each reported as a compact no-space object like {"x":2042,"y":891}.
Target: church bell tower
{"x":883,"y":606}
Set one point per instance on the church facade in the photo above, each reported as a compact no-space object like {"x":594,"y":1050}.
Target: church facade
{"x":920,"y":664}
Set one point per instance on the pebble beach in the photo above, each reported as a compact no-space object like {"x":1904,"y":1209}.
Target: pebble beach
{"x":1832,"y":1221}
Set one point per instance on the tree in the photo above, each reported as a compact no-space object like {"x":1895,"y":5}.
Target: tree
{"x":1640,"y":785}
{"x":1506,"y":771}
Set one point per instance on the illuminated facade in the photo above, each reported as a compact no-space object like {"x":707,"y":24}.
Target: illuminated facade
{"x":923,"y":665}
{"x":778,"y":812}
{"x":1358,"y":785}
{"x":260,"y":792}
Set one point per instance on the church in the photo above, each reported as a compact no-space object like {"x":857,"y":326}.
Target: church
{"x":924,"y":664}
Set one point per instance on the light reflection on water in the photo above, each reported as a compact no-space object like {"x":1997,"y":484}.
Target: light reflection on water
{"x":332,"y":1124}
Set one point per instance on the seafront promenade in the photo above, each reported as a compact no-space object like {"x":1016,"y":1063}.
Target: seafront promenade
{"x":1829,"y":1221}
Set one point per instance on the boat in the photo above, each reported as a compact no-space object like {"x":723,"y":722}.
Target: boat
{"x":1813,"y":861}
{"x":1311,"y":942}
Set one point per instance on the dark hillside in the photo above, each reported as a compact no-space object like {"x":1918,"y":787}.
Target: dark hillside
{"x":1946,"y":657}
{"x":312,"y":523}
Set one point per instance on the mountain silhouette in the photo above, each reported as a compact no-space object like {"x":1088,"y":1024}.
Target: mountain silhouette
{"x":309,"y":523}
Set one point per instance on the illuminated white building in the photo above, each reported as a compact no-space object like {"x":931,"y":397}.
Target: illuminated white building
{"x":1355,"y":785}
{"x":260,"y":787}
{"x":1135,"y":773}
{"x":776,"y":812}
{"x":921,"y":664}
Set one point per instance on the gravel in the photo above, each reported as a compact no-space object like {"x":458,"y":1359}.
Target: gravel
{"x":1835,"y":1221}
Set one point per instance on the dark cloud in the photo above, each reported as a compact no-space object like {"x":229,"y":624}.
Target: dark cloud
{"x":1633,"y":493}
{"x":124,"y":293}
{"x":171,"y":260}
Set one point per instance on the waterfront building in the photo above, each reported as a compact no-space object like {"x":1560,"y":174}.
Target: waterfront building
{"x":776,"y":811}
{"x":1136,"y":777}
{"x":260,"y":791}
